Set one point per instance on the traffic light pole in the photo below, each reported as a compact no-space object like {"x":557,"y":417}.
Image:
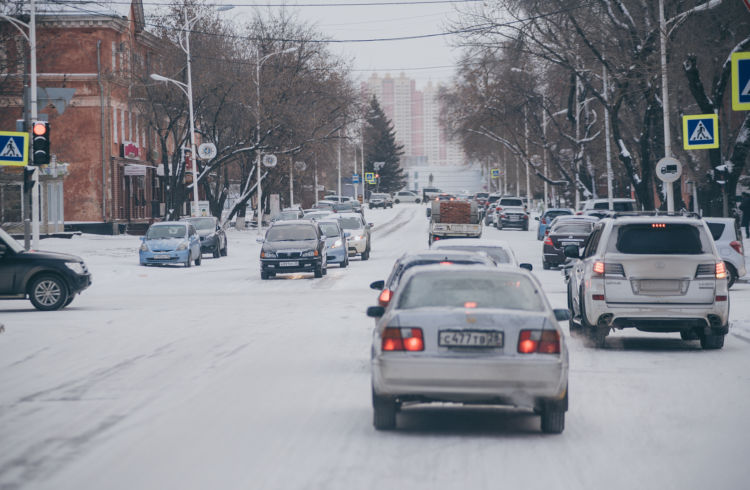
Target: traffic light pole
{"x":35,"y":176}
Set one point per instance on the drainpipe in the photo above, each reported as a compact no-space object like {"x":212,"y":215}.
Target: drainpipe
{"x":103,"y":134}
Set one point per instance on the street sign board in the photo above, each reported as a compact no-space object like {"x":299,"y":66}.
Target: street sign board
{"x":495,"y":173}
{"x":270,"y":160}
{"x":355,"y":178}
{"x":668,"y":169}
{"x":207,"y":151}
{"x":14,"y":148}
{"x":370,"y":177}
{"x":378,"y":165}
{"x":700,"y":132}
{"x":741,"y":81}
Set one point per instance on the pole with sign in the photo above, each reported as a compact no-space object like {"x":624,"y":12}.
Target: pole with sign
{"x":741,"y":81}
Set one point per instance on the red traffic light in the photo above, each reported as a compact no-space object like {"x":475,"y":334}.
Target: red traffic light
{"x":40,"y":128}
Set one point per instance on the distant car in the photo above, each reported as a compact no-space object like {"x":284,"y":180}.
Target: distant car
{"x":289,"y":214}
{"x":324,"y":204}
{"x":336,"y":198}
{"x":336,"y":242}
{"x":380,"y":200}
{"x":318,"y":214}
{"x":469,"y":335}
{"x":546,"y":218}
{"x":212,"y":235}
{"x":444,"y":196}
{"x":619,"y":204}
{"x":409,"y":260}
{"x":562,"y":234}
{"x":510,"y":212}
{"x":49,"y":280}
{"x":406,"y":196}
{"x":499,"y":250}
{"x":359,"y":229}
{"x":293,"y":246}
{"x":429,"y":193}
{"x":728,"y":237}
{"x":170,"y":242}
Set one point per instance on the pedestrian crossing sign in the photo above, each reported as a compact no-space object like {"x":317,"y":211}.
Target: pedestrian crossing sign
{"x":370,"y":177}
{"x":700,"y":132}
{"x":14,"y":148}
{"x":495,"y":173}
{"x":741,"y":81}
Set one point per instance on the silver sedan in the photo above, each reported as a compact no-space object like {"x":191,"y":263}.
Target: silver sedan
{"x":469,"y":334}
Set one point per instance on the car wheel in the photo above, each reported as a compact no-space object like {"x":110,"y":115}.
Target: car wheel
{"x":318,"y":271}
{"x":371,"y":206}
{"x":712,"y":342}
{"x":189,"y":260}
{"x":417,"y":201}
{"x":689,"y":335}
{"x":731,"y":275}
{"x":264,"y":275}
{"x":198,"y":259}
{"x":366,"y":254}
{"x":344,"y":262}
{"x":545,"y":265}
{"x":384,"y":411}
{"x":70,"y":299}
{"x":48,"y":292}
{"x":224,"y":250}
{"x":217,"y":252}
{"x":397,"y":201}
{"x":553,"y":421}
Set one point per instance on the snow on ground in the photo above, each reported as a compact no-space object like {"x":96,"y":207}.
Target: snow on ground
{"x":208,"y":377}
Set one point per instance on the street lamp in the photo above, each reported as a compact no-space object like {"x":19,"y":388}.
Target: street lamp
{"x":258,"y":62}
{"x":187,"y":89}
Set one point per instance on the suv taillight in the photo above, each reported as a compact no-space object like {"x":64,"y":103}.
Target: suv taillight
{"x":402,"y":339}
{"x":539,"y":341}
{"x":608,"y":269}
{"x":721,"y":270}
{"x":737,"y":245}
{"x":548,"y":241}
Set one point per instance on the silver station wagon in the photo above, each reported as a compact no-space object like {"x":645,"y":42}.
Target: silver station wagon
{"x":469,"y":335}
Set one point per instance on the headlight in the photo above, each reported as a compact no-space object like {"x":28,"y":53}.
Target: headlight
{"x":267,"y":255}
{"x":76,"y":267}
{"x":337,"y":243}
{"x":182,"y":246}
{"x":310,"y":253}
{"x":144,"y":247}
{"x":359,"y":237}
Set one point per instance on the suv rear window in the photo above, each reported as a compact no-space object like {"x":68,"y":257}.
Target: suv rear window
{"x":616,"y":206}
{"x":511,"y":202}
{"x":659,"y":238}
{"x":717,"y":229}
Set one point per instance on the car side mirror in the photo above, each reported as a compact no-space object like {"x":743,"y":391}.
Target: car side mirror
{"x":379,"y":285}
{"x":562,"y":315}
{"x":536,"y":218}
{"x":571,"y":251}
{"x":376,"y":311}
{"x":260,"y":239}
{"x":526,"y":266}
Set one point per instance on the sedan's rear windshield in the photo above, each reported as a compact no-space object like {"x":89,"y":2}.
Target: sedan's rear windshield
{"x":498,"y":254}
{"x":166,"y":231}
{"x":468,"y":289}
{"x":291,"y":233}
{"x":659,"y":238}
{"x":572,"y":228}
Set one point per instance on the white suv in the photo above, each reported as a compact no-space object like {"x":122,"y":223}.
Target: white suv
{"x":653,"y":273}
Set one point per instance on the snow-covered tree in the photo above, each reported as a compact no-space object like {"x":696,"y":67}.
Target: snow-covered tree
{"x":380,"y":146}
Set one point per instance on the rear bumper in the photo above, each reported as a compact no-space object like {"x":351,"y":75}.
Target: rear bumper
{"x":553,"y":257}
{"x":520,"y":382}
{"x":514,"y":223}
{"x":659,"y":318}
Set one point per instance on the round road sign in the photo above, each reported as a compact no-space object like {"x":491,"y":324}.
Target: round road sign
{"x":269,"y":160}
{"x":668,"y":169}
{"x":207,"y":151}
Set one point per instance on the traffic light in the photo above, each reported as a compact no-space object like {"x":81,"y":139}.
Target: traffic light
{"x":28,"y":182}
{"x":40,"y":142}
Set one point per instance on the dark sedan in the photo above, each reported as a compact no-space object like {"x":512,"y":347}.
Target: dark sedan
{"x":49,"y":280}
{"x":571,"y":231}
{"x":293,"y":246}
{"x":212,"y":235}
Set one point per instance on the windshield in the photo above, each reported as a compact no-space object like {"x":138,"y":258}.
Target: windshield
{"x":572,"y":228}
{"x":10,"y":241}
{"x":659,"y":238}
{"x":203,"y":223}
{"x":329,"y":229}
{"x":350,"y":223}
{"x":482,"y":289}
{"x":291,"y":233}
{"x":498,"y":254}
{"x":288,"y":215}
{"x":158,"y":232}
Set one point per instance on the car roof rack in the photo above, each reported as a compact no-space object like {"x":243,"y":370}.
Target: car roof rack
{"x":630,"y":214}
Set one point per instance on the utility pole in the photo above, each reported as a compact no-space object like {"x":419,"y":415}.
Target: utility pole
{"x":606,"y":138}
{"x":665,"y":106}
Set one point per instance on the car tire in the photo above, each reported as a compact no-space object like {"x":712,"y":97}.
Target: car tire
{"x":217,"y":252}
{"x":731,"y":275}
{"x":366,"y":254}
{"x":553,"y":421}
{"x":263,"y":275}
{"x":371,"y":206}
{"x":417,"y":201}
{"x":545,"y":265}
{"x":224,"y":250}
{"x":198,"y":260}
{"x":318,"y":272}
{"x":189,"y":260}
{"x":397,"y":201}
{"x":384,"y":411}
{"x":712,"y":342}
{"x":70,"y":299}
{"x":689,"y":335}
{"x":48,"y":292}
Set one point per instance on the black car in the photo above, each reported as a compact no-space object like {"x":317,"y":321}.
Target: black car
{"x":212,"y":235}
{"x":571,"y":231}
{"x":49,"y":280}
{"x":293,"y":246}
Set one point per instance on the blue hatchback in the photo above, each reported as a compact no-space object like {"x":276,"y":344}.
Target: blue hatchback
{"x":336,"y":246}
{"x":171,"y":242}
{"x":547,"y":217}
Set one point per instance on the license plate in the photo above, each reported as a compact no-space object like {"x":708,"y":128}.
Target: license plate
{"x":161,"y":257}
{"x":565,"y":244}
{"x":470,"y":338}
{"x":293,"y":263}
{"x":514,"y":218}
{"x":660,"y":285}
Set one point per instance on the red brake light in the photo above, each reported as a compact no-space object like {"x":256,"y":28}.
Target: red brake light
{"x":548,"y":241}
{"x":721,"y":270}
{"x":599,"y":267}
{"x":470,"y":304}
{"x":658,"y":225}
{"x":597,"y":297}
{"x":737,"y":246}
{"x":721,"y":298}
{"x":544,"y":221}
{"x":445,"y":262}
{"x":550,"y":343}
{"x":385,"y":297}
{"x":539,"y":341}
{"x":392,"y":339}
{"x":526,"y":345}
{"x":403,"y":338}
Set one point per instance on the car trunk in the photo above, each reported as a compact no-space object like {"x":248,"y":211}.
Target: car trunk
{"x":563,"y":240}
{"x":660,"y":279}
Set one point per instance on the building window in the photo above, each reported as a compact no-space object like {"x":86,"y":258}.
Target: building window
{"x":122,"y":125}
{"x":114,"y":121}
{"x":114,"y":56}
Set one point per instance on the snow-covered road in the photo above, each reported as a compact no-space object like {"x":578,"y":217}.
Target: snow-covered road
{"x":208,"y":377}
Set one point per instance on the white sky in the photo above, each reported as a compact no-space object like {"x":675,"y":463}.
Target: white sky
{"x":421,"y":59}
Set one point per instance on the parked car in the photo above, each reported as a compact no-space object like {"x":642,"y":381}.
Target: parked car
{"x":406,"y":196}
{"x":619,"y":204}
{"x":499,"y":250}
{"x":546,"y":218}
{"x":170,"y":242}
{"x":348,"y":207}
{"x":727,"y":234}
{"x":359,"y":240}
{"x":653,"y":273}
{"x":49,"y":280}
{"x":510,"y":212}
{"x":409,"y":260}
{"x":293,"y":246}
{"x":562,"y":234}
{"x":469,"y":335}
{"x":429,"y":193}
{"x":336,"y":242}
{"x":380,"y":200}
{"x":212,"y":235}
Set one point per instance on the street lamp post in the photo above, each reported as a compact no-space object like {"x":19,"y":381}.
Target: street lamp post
{"x":258,"y":62}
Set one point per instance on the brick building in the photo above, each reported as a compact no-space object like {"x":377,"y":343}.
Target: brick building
{"x":99,"y":52}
